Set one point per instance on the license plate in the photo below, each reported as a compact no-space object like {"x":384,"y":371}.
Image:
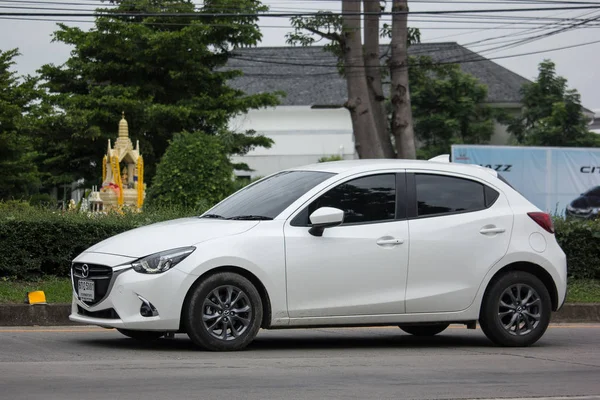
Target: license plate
{"x":86,"y":290}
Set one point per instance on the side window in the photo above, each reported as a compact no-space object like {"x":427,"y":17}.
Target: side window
{"x":439,"y":194}
{"x":368,"y":199}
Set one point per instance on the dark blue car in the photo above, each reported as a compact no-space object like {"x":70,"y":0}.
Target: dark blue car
{"x":586,"y":206}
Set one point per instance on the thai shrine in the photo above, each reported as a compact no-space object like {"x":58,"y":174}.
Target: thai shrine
{"x":122,"y":175}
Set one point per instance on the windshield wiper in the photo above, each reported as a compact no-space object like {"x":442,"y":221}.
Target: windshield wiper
{"x":215,"y":216}
{"x":251,"y":218}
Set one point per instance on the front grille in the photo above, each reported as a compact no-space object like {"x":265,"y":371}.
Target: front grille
{"x":100,"y":274}
{"x":109,"y":313}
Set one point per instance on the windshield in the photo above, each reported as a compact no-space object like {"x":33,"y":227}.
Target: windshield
{"x":268,"y":198}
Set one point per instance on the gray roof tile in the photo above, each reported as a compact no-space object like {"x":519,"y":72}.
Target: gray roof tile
{"x":308,"y":75}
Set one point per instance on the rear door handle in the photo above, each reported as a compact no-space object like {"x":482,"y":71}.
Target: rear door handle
{"x":485,"y":231}
{"x":388,"y":242}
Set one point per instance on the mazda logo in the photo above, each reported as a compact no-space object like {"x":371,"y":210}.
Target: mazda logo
{"x":85,"y":270}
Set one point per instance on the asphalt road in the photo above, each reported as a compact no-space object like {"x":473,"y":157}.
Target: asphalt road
{"x":377,"y":363}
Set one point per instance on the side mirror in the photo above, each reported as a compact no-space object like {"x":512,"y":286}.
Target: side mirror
{"x":325,"y":217}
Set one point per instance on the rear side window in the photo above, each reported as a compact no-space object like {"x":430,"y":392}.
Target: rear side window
{"x":439,"y":194}
{"x":490,"y":196}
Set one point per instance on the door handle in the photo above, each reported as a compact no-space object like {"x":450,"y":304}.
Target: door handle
{"x":388,"y":242}
{"x":485,"y":231}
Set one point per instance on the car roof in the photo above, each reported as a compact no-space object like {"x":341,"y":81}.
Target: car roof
{"x":365,"y":165}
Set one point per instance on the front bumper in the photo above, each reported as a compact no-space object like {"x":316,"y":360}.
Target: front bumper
{"x":130,"y":291}
{"x":581,"y":215}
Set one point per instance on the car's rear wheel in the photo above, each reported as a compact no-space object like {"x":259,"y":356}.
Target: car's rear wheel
{"x":425,"y":329}
{"x":516,"y":310}
{"x":143,"y":336}
{"x":224,"y":313}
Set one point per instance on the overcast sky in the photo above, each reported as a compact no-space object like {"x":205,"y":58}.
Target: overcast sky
{"x":579,"y":65}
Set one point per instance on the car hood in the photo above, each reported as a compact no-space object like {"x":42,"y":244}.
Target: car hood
{"x":168,"y":235}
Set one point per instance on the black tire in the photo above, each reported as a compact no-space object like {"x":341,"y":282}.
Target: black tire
{"x":425,"y":329}
{"x":144,"y":336}
{"x":495,"y":316}
{"x":203,"y":303}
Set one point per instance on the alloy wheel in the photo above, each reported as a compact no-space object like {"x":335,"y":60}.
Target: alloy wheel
{"x":519,"y":309}
{"x":226,"y":312}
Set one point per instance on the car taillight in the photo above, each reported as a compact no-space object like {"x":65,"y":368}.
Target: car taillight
{"x":544,"y":220}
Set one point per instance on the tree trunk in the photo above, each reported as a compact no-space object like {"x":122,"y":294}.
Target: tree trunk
{"x":366,"y":140}
{"x":373,"y":75}
{"x":402,"y":126}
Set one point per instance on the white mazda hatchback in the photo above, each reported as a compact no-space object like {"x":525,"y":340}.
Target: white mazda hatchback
{"x":414,"y":244}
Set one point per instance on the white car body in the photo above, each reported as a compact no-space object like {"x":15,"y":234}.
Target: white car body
{"x":423,"y":269}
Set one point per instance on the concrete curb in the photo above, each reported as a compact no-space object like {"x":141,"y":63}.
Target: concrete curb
{"x":32,"y":315}
{"x":58,"y":314}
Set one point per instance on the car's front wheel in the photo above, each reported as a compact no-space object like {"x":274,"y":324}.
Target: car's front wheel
{"x":424,"y":330}
{"x":143,"y":336}
{"x":516,"y":310}
{"x":224,"y":313}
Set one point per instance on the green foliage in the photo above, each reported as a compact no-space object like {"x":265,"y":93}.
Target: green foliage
{"x":194,"y":172}
{"x":448,"y":107}
{"x":165,"y":73}
{"x":35,"y":242}
{"x":41,"y":200}
{"x":330,"y":158}
{"x":579,"y":240}
{"x":19,"y":175}
{"x":552,"y":114}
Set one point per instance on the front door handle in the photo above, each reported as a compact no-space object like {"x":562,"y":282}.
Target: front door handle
{"x":389,"y":242}
{"x":486,"y":231}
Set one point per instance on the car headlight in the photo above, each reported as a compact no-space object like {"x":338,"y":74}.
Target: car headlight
{"x":161,"y":262}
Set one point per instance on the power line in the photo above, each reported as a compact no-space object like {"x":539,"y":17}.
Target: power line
{"x":476,"y":58}
{"x":289,"y":15}
{"x":184,"y":24}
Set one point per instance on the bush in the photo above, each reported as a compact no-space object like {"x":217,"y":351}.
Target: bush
{"x":194,"y":172}
{"x":35,"y":242}
{"x":580,"y":240}
{"x":330,"y":158}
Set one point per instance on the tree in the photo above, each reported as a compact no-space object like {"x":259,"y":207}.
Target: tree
{"x":19,"y":176}
{"x":552,"y":115}
{"x":367,"y":140}
{"x":163,"y":72}
{"x":374,"y":76}
{"x":402,"y":125}
{"x":448,"y":107}
{"x":194,"y":172}
{"x":358,"y":65}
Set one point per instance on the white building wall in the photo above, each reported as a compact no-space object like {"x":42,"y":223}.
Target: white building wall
{"x":301,"y":136}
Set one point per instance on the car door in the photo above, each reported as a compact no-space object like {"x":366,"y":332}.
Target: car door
{"x":359,"y":267}
{"x":459,"y":228}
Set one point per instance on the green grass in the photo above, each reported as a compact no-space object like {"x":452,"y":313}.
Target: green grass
{"x":58,"y":290}
{"x":583,"y":291}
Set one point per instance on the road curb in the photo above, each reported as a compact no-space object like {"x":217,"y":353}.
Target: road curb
{"x":58,"y":314}
{"x":35,"y":315}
